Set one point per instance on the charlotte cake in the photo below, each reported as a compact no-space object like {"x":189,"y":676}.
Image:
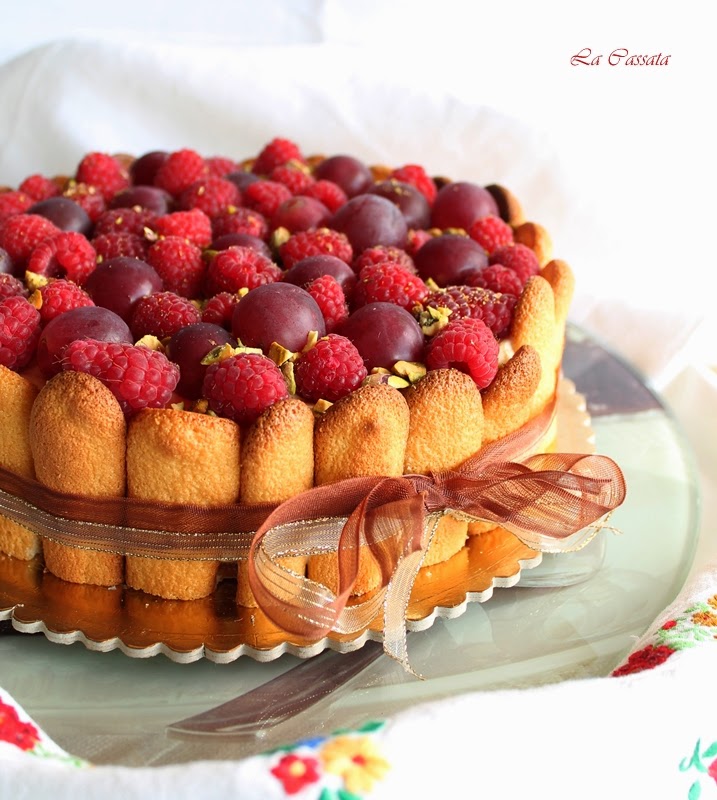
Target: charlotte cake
{"x":201,"y":331}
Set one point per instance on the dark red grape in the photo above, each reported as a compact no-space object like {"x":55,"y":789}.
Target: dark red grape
{"x":241,"y":240}
{"x":352,"y":175}
{"x":460,"y":204}
{"x":64,"y":213}
{"x":277,"y":312}
{"x":242,"y":179}
{"x":412,"y":203}
{"x":312,"y":267}
{"x":384,"y":333}
{"x":87,"y":322}
{"x":6,"y":265}
{"x":150,"y":197}
{"x":449,"y":259}
{"x":119,"y":283}
{"x":368,"y":220}
{"x":300,"y":214}
{"x":188,"y":347}
{"x":142,"y":170}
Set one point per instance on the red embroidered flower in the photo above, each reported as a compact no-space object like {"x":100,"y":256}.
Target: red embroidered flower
{"x":712,"y":770}
{"x":22,"y":734}
{"x":295,"y":772}
{"x":669,"y":624}
{"x":647,"y":658}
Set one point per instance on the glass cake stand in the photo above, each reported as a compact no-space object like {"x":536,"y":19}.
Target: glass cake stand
{"x":576,"y":619}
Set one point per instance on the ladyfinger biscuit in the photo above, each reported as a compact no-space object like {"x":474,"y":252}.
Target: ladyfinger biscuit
{"x":16,"y":398}
{"x":560,"y":276}
{"x":506,"y":402}
{"x":537,"y":238}
{"x":446,"y":421}
{"x":446,"y":428}
{"x":509,"y":207}
{"x":277,"y":463}
{"x":534,"y":324}
{"x":180,"y":457}
{"x":78,"y":438}
{"x":364,"y":433}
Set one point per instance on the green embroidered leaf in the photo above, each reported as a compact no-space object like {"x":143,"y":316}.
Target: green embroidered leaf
{"x":710,"y":751}
{"x":370,"y":727}
{"x":344,"y":794}
{"x":695,"y":791}
{"x":327,"y":794}
{"x":694,"y":760}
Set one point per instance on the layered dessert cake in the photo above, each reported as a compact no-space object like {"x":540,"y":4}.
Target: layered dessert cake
{"x":200,"y":331}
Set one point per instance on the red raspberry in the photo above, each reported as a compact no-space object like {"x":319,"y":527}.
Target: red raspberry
{"x":219,"y":166}
{"x":68,"y":254}
{"x":388,"y":283}
{"x":162,"y":314}
{"x":19,"y":332}
{"x":137,"y":376}
{"x":10,"y":286}
{"x":239,"y":268}
{"x":466,"y":345}
{"x":518,"y":257}
{"x":179,"y":170}
{"x":293,"y":177}
{"x":322,"y":241}
{"x":274,"y":154}
{"x":59,"y":296}
{"x":328,"y":193}
{"x":242,"y":387}
{"x":415,"y":241}
{"x":124,"y":220}
{"x":13,"y":203}
{"x":240,"y":220}
{"x":104,"y":172}
{"x":384,"y":254}
{"x":491,"y":232}
{"x":211,"y":195}
{"x":330,"y":298}
{"x":497,"y":278}
{"x":179,"y":264}
{"x":194,"y":226}
{"x":265,"y":196}
{"x":112,"y":245}
{"x":88,"y":197}
{"x":330,"y":370}
{"x":495,"y":310}
{"x":21,"y":234}
{"x":219,"y":309}
{"x":39,"y":187}
{"x":416,"y":176}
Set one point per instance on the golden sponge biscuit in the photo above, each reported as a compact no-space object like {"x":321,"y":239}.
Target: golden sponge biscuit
{"x":536,"y":237}
{"x":277,"y":463}
{"x":278,"y":453}
{"x":17,"y":396}
{"x":78,"y":439}
{"x":509,"y":207}
{"x":507,"y":401}
{"x":446,"y":421}
{"x":562,"y":280}
{"x":178,"y":456}
{"x":364,"y":433}
{"x":450,"y":537}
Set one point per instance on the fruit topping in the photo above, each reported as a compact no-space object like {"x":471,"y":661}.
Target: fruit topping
{"x":460,"y":204}
{"x":19,"y":332}
{"x":491,"y":232}
{"x":388,"y":283}
{"x":368,"y":220}
{"x":518,"y":257}
{"x":330,"y":298}
{"x":58,"y":296}
{"x":119,"y":283}
{"x":467,"y":345}
{"x":449,"y":259}
{"x":162,"y":314}
{"x":187,"y":347}
{"x":239,"y":268}
{"x":330,"y":370}
{"x":137,"y":376}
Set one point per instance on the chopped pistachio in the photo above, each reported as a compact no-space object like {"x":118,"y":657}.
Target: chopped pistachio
{"x":321,"y":406}
{"x":378,"y":379}
{"x":412,"y":371}
{"x":280,"y":354}
{"x":380,"y":371}
{"x":311,"y":340}
{"x":280,"y":236}
{"x":287,"y":370}
{"x":177,"y":406}
{"x":34,"y":281}
{"x":151,"y":343}
{"x":35,"y":299}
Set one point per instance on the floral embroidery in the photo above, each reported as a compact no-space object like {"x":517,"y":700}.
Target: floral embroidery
{"x":295,"y":772}
{"x":344,"y":766}
{"x":29,"y":738}
{"x":696,"y":624}
{"x":697,"y":761}
{"x":22,"y":734}
{"x":356,"y":759}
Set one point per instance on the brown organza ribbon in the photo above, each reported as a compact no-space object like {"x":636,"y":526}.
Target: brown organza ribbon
{"x":544,"y":499}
